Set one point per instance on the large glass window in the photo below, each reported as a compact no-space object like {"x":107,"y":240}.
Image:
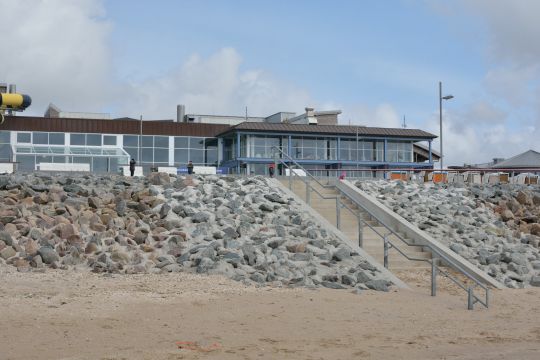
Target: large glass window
{"x":40,"y":138}
{"x":399,"y":151}
{"x":361,"y":150}
{"x":161,"y":141}
{"x":181,"y":156}
{"x":261,"y":146}
{"x":196,"y":143}
{"x":57,"y":139}
{"x":24,"y":138}
{"x":26,"y":162}
{"x":181,"y":142}
{"x":77,"y":139}
{"x":109,"y":140}
{"x":201,"y":151}
{"x":93,"y":139}
{"x":312,"y":148}
{"x":130,"y":140}
{"x":5,"y":147}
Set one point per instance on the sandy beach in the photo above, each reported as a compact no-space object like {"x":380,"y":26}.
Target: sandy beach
{"x":65,"y":315}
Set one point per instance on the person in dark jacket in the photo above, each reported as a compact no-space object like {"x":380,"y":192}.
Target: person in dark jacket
{"x":190,"y":167}
{"x":132,"y":166}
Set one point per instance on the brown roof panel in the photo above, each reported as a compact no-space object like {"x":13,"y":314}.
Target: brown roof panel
{"x":121,"y":126}
{"x":330,"y":129}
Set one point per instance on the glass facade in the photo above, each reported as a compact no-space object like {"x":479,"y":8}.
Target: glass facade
{"x":106,"y":152}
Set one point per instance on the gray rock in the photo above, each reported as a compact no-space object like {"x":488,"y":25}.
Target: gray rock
{"x":379,"y":285}
{"x":258,"y":277}
{"x":7,"y":252}
{"x":164,"y":211}
{"x":230,"y":233}
{"x":233,"y":259}
{"x":204,"y":265}
{"x":6,"y":238}
{"x":535,"y":281}
{"x":348,"y":280}
{"x":333,"y":285}
{"x":266,"y":207}
{"x":273,"y":197}
{"x":250,"y":254}
{"x":362,"y":277}
{"x":341,"y":254}
{"x":200,"y":217}
{"x":48,"y":254}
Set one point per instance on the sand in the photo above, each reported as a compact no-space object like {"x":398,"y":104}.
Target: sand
{"x":66,"y":315}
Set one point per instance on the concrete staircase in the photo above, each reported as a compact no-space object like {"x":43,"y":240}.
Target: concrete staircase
{"x":372,"y":242}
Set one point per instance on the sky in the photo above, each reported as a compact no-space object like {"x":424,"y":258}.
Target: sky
{"x":377,"y":61}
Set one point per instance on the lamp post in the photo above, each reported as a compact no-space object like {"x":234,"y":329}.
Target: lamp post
{"x":441,"y":98}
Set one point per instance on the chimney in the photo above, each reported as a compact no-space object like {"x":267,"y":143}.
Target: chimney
{"x":310,"y":112}
{"x":180,"y":113}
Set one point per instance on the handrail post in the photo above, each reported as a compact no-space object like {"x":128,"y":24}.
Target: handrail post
{"x":308,"y":192}
{"x":434,"y":276}
{"x":360,"y":231}
{"x":290,"y":176}
{"x":338,"y":213}
{"x":385,"y":238}
{"x":470,"y":298}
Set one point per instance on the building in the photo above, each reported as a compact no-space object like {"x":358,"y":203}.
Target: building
{"x":529,"y":159}
{"x":103,"y":145}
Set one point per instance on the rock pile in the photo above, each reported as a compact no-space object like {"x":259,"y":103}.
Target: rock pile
{"x":496,"y":227}
{"x":243,"y":228}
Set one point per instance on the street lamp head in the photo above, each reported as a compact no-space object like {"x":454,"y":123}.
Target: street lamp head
{"x":448,"y":97}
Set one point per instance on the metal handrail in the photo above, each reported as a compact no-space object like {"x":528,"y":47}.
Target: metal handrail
{"x":472,"y":298}
{"x":297,"y":164}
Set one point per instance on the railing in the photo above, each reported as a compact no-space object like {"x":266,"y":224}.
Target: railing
{"x":305,"y":175}
{"x":528,"y":176}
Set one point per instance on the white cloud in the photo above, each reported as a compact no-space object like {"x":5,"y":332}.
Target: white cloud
{"x":513,"y":29}
{"x":214,"y":85}
{"x":57,"y":51}
{"x":382,"y":115}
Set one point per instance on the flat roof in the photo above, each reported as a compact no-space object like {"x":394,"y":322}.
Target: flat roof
{"x":329,"y":130}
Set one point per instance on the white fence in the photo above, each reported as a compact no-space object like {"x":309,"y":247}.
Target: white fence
{"x":62,"y":167}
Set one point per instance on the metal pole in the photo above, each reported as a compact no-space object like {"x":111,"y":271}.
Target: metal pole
{"x":140,"y":141}
{"x":338,"y":213}
{"x":440,"y":121}
{"x":470,"y":303}
{"x":290,"y":175}
{"x":386,"y":251}
{"x":308,"y":192}
{"x":434,"y":276}
{"x":360,"y":231}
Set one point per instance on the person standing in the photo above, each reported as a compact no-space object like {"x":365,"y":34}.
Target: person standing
{"x":132,"y":166}
{"x":271,"y":170}
{"x":190,"y":167}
